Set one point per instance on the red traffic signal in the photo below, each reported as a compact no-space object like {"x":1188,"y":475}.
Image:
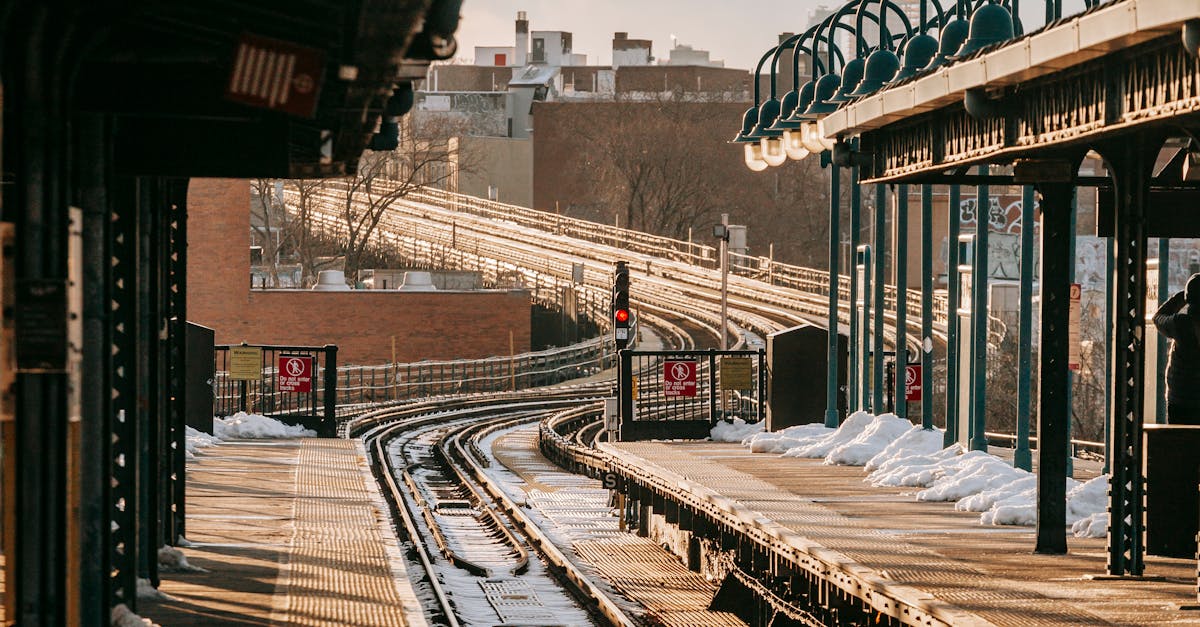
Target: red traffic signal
{"x":621,"y":315}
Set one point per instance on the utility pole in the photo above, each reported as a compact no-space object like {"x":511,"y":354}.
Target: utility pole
{"x":721,"y":231}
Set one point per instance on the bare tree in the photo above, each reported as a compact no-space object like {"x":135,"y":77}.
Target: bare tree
{"x":313,"y":246}
{"x":653,"y":173}
{"x":271,"y":225}
{"x":428,"y":154}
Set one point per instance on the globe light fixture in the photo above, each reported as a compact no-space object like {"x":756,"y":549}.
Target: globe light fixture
{"x":827,"y":142}
{"x":793,"y":144}
{"x":754,"y":157}
{"x":773,"y":151}
{"x":810,"y":139}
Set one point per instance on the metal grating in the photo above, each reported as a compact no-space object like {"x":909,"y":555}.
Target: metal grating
{"x":516,"y":602}
{"x":953,"y":566}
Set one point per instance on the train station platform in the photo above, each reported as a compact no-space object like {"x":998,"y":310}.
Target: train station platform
{"x":924,"y":553}
{"x":288,"y":532}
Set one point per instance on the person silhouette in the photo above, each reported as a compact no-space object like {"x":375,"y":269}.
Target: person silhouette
{"x":1176,"y":320}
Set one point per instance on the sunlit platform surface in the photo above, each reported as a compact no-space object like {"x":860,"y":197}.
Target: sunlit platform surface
{"x":289,"y":532}
{"x":988,"y":573}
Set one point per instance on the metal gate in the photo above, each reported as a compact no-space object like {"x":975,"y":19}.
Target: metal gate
{"x":682,"y":394}
{"x":259,"y":387}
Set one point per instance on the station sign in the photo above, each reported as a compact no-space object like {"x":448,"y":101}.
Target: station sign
{"x":679,"y":378}
{"x":245,"y":363}
{"x":295,"y":373}
{"x":912,"y":382}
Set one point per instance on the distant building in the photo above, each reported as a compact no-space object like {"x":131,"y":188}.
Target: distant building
{"x":495,"y":96}
{"x":626,"y":51}
{"x":553,"y":48}
{"x":495,"y":56}
{"x":683,"y":54}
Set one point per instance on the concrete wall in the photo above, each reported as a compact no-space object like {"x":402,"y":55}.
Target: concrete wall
{"x":502,"y":162}
{"x":425,"y":325}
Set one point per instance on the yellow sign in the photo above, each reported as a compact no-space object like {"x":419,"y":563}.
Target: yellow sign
{"x":736,"y":373}
{"x":245,"y":363}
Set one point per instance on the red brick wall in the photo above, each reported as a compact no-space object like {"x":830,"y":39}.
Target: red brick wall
{"x":440,"y":325}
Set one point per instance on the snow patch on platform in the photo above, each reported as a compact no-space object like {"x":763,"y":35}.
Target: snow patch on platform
{"x":736,"y":431}
{"x":897,"y":453}
{"x":255,"y":426}
{"x":122,"y":616}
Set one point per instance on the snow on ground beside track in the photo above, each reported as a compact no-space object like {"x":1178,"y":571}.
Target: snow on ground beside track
{"x":254,"y":426}
{"x":196,"y":440}
{"x":122,"y":616}
{"x":898,"y":454}
{"x":242,"y":426}
{"x":822,"y":444}
{"x":735,"y":431}
{"x":784,"y":439}
{"x":172,"y":560}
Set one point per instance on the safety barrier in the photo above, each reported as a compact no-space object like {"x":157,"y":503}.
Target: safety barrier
{"x":682,"y":394}
{"x":295,"y":384}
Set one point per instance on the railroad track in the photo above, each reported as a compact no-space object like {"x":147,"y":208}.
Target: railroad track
{"x":500,"y":568}
{"x":480,"y":544}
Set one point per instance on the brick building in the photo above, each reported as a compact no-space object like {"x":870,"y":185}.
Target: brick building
{"x":425,"y":325}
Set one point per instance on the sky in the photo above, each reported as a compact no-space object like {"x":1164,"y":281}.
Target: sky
{"x":735,"y":31}
{"x":728,"y":28}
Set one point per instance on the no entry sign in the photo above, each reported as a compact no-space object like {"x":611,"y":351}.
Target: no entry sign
{"x":295,"y":373}
{"x":912,"y":382}
{"x":679,"y":378}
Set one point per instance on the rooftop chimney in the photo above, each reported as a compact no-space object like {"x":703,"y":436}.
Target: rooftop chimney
{"x":522,"y":47}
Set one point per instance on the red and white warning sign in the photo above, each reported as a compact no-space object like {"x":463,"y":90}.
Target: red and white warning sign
{"x":912,"y":382}
{"x":679,"y":378}
{"x":295,"y":373}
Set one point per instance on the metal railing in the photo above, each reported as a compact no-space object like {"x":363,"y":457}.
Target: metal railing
{"x":681,"y":394}
{"x":397,"y":382}
{"x":313,"y":408}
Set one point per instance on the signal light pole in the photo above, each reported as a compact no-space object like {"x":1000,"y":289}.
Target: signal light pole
{"x":620,"y":305}
{"x":721,"y":232}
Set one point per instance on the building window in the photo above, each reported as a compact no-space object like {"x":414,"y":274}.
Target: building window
{"x":538,"y":55}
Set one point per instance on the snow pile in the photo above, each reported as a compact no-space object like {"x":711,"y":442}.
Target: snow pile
{"x":785,"y":439}
{"x":973,"y":473}
{"x":898,"y":454}
{"x":196,"y":440}
{"x":735,"y":431}
{"x":172,"y":560}
{"x":1094,"y":526}
{"x":915,"y":470}
{"x":821,"y":445}
{"x":916,"y":441}
{"x":1087,"y":499}
{"x":122,"y":616}
{"x":877,"y":436}
{"x":254,"y":426}
{"x":147,"y":591}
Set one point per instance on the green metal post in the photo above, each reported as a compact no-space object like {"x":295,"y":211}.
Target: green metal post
{"x":853,"y":380}
{"x":954,"y":209}
{"x":831,"y":371}
{"x":926,"y":305}
{"x":979,"y":320}
{"x":1022,"y":457}
{"x":1074,"y":227}
{"x":1109,"y":257}
{"x":900,"y":261}
{"x":1164,"y":292}
{"x":865,"y":344}
{"x":877,"y":406}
